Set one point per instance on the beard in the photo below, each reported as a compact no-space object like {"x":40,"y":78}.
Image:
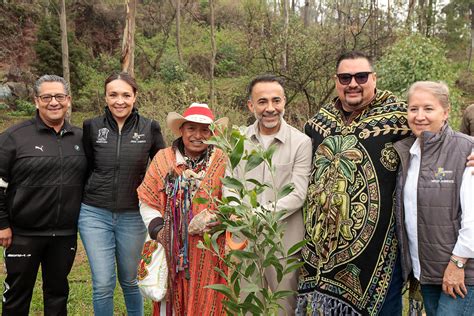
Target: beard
{"x":269,"y":125}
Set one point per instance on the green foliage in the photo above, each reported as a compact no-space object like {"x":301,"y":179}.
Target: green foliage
{"x":90,"y":94}
{"x":172,"y":71}
{"x":48,"y":52}
{"x":411,"y":59}
{"x":230,"y":49}
{"x":240,"y":213}
{"x":23,"y":108}
{"x":416,"y":58}
{"x":149,"y":52}
{"x":455,"y":26}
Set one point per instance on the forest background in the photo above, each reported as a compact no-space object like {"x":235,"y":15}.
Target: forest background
{"x":184,"y":51}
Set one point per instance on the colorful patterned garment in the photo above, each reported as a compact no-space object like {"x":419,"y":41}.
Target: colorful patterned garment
{"x":166,"y":189}
{"x":348,"y":214}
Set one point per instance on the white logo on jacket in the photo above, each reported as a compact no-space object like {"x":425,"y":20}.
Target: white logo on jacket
{"x":138,"y":138}
{"x":441,"y":176}
{"x":39,"y":147}
{"x":102,"y":136}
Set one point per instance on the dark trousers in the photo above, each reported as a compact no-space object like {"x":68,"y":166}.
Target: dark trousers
{"x":22,"y":261}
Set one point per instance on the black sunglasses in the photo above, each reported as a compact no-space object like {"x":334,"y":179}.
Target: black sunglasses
{"x":360,"y":77}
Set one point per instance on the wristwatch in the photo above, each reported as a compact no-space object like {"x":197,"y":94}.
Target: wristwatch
{"x":457,"y":262}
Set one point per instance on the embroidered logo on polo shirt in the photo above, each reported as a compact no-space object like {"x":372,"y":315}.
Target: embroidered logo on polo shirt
{"x":102,"y":136}
{"x":441,"y":175}
{"x":138,"y":138}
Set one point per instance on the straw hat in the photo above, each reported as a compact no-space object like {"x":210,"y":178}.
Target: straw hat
{"x":197,"y":113}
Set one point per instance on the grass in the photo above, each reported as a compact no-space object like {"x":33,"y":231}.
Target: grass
{"x":80,"y":292}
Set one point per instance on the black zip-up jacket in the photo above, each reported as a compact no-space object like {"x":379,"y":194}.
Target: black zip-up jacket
{"x":45,"y":172}
{"x":118,"y":161}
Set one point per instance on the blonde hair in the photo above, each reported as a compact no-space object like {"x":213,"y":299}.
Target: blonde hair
{"x":439,"y":90}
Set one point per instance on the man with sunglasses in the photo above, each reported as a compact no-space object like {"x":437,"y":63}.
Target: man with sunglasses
{"x":350,"y":263}
{"x":42,"y":173}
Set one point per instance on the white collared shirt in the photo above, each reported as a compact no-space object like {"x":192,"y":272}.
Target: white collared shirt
{"x":464,"y":247}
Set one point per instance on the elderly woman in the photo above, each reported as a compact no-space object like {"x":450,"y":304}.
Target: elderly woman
{"x":118,"y":145}
{"x":435,"y":209}
{"x":179,"y":174}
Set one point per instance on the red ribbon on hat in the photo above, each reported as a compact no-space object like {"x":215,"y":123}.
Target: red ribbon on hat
{"x":199,"y":110}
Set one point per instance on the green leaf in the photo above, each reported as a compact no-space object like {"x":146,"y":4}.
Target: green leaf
{"x":241,"y":254}
{"x":281,"y":294}
{"x":255,"y":182}
{"x":221,"y":272}
{"x":221,"y":288}
{"x":231,"y":307}
{"x":234,"y":276}
{"x":296,"y":247}
{"x":237,"y":288}
{"x":279,"y":273}
{"x":249,"y":307}
{"x":269,"y":261}
{"x":231,"y":198}
{"x":236,"y":154}
{"x":253,"y":198}
{"x":250,"y":269}
{"x":292,"y":267}
{"x":207,"y":240}
{"x":254,"y":160}
{"x":200,"y":200}
{"x":233,"y":183}
{"x":215,"y":246}
{"x":287,"y":189}
{"x":268,"y":154}
{"x":250,"y":288}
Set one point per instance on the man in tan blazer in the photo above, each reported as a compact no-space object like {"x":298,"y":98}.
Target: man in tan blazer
{"x":292,"y":162}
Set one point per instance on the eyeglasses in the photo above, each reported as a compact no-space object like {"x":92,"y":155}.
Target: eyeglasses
{"x":360,"y":77}
{"x":48,"y":97}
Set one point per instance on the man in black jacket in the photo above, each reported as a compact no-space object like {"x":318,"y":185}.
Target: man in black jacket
{"x":42,"y":172}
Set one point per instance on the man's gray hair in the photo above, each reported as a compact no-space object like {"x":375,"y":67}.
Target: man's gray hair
{"x":50,"y":78}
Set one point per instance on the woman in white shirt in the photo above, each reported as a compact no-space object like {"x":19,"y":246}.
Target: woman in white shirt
{"x":435,"y":204}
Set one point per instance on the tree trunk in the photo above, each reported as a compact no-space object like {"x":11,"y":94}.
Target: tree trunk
{"x":430,"y":17}
{"x":411,"y":9}
{"x":471,"y":49}
{"x":389,"y":17}
{"x":213,"y":54}
{"x":306,"y":14}
{"x":65,"y":50}
{"x":286,"y":17}
{"x":421,"y":16}
{"x":178,"y":31}
{"x":128,"y":43}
